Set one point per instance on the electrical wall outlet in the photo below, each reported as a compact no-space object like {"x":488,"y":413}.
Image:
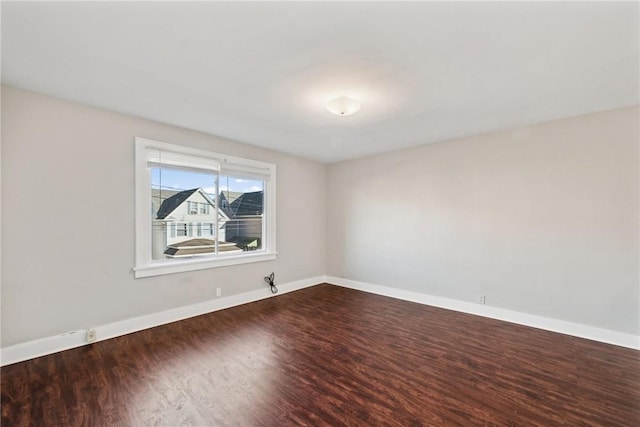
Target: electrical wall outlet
{"x":481,"y":299}
{"x":218,"y":292}
{"x":91,"y":335}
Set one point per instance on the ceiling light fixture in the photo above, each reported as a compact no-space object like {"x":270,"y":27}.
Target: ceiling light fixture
{"x":343,"y":106}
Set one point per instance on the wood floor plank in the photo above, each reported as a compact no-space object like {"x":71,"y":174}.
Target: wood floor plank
{"x":329,"y":356}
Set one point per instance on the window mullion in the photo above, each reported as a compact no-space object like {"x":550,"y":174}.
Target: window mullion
{"x":217,"y":215}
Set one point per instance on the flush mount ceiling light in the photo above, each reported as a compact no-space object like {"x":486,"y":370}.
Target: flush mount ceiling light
{"x":343,"y":106}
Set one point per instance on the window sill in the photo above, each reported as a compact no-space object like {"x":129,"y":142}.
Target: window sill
{"x":170,"y":267}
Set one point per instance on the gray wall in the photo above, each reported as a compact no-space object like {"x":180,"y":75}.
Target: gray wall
{"x":542,"y":220}
{"x":68,"y":220}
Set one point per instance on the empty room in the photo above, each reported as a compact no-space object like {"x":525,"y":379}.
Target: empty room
{"x":320,"y":213}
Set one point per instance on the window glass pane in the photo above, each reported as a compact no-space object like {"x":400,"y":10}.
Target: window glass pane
{"x":177,"y":200}
{"x":242,"y":203}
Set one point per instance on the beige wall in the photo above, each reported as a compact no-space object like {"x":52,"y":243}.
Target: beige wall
{"x":541,"y":220}
{"x":68,"y":220}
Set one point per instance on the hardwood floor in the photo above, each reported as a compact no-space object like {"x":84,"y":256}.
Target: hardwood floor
{"x":329,"y":356}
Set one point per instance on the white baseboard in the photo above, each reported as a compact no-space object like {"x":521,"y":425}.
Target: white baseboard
{"x":554,"y":325}
{"x":44,"y":346}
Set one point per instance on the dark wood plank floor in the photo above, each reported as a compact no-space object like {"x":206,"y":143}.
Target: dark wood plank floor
{"x":329,"y":356}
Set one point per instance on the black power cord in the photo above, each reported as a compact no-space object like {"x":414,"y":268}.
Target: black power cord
{"x":269,"y":279}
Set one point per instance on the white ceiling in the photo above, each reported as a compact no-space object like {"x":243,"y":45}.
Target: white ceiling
{"x":261,"y":72}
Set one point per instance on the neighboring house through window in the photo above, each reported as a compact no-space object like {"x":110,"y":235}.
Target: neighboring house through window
{"x":193,"y":224}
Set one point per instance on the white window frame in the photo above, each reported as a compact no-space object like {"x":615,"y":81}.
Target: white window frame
{"x":145,"y":266}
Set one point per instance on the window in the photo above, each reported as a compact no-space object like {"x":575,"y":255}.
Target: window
{"x":192,"y":207}
{"x":207,"y":229}
{"x":233,"y":198}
